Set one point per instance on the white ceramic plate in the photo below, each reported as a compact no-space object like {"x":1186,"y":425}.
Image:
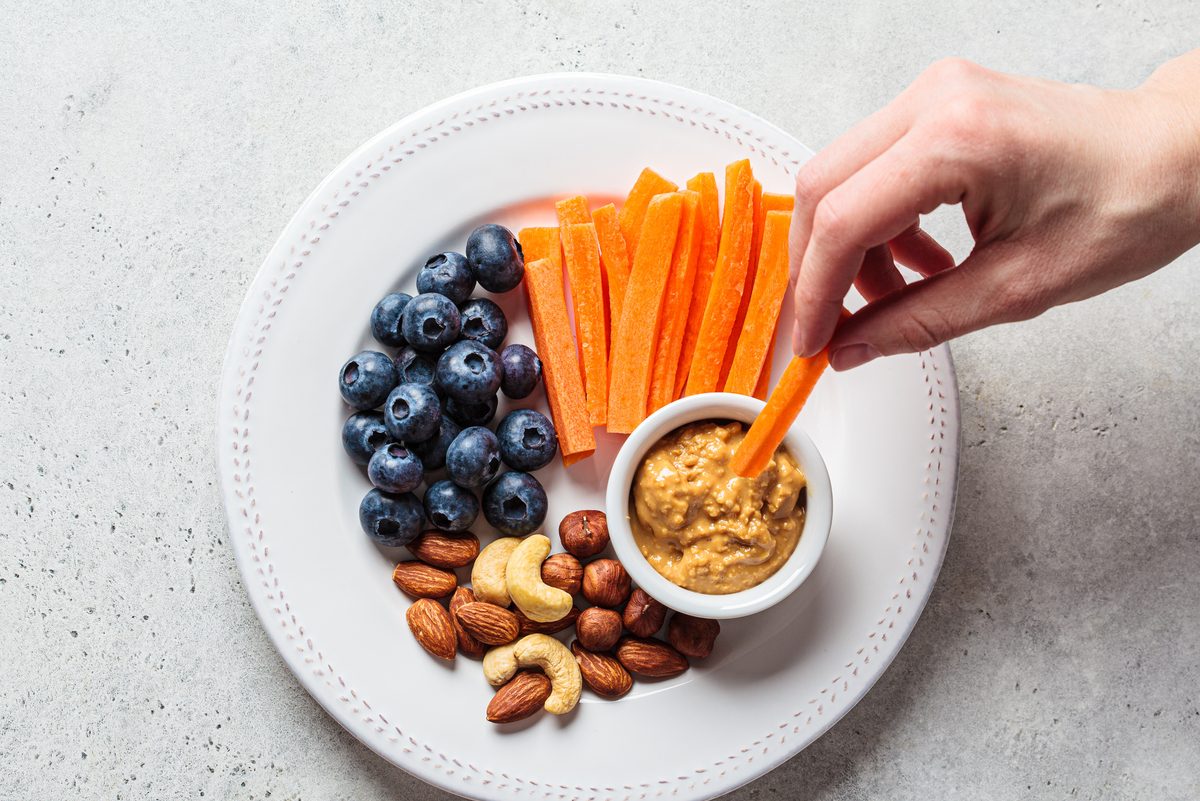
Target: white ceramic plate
{"x":889,"y":434}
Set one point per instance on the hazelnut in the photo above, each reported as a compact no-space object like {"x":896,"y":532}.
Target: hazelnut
{"x":643,"y":615}
{"x":564,"y":572}
{"x":584,"y":533}
{"x":605,"y":582}
{"x":598,"y":629}
{"x":692,"y":636}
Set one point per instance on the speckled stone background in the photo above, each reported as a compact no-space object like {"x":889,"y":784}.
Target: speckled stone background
{"x":150,"y":154}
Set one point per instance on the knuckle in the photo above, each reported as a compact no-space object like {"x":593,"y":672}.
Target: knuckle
{"x":829,"y":221}
{"x":953,"y":69}
{"x":922,"y":329}
{"x":808,"y":185}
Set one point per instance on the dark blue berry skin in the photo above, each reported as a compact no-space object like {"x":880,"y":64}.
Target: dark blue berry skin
{"x":527,"y":440}
{"x":515,"y":504}
{"x":495,"y":257}
{"x":447,"y":274}
{"x":385,"y":319}
{"x":433,"y":450}
{"x":431,"y":322}
{"x":468,"y":372}
{"x":484,"y":322}
{"x":471,"y":414}
{"x":366,"y":379}
{"x":473,"y":458}
{"x":412,"y":413}
{"x":391,"y":520}
{"x":395,"y":468}
{"x":413,"y":367}
{"x":522,"y":371}
{"x":363,"y":434}
{"x":450,"y":507}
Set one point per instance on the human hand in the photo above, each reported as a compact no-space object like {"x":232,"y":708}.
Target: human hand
{"x":1068,"y":191}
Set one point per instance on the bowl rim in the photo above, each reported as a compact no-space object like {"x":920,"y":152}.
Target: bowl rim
{"x":798,"y":567}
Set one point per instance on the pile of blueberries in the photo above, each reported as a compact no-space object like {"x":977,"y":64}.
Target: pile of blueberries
{"x":438,"y":395}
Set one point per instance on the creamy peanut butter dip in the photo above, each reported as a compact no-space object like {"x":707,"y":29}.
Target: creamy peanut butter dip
{"x":706,"y":528}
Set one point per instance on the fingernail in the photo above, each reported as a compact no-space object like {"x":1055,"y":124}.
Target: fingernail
{"x":797,"y":340}
{"x":851,"y":356}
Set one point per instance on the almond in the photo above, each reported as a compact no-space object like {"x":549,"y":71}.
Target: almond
{"x":653,"y":658}
{"x":643,"y":615}
{"x":602,"y":673}
{"x":605,"y":582}
{"x":533,"y":627}
{"x":598,"y":629}
{"x":693,"y":636}
{"x":422,"y":581}
{"x":584,"y":533}
{"x":564,"y":572}
{"x":521,"y":697}
{"x":488,"y":623}
{"x":467,"y":644}
{"x":430,"y":624}
{"x":440,"y":549}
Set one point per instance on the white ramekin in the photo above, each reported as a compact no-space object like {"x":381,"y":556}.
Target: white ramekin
{"x":717,"y":406}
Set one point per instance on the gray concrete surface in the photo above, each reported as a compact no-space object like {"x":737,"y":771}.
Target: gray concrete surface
{"x":148,"y":159}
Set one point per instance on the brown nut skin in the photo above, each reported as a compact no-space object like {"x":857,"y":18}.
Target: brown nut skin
{"x":440,"y":549}
{"x":652,"y":658}
{"x":534,"y":627}
{"x":467,"y":645}
{"x":605,"y":582}
{"x":692,"y":636}
{"x":643,"y":615}
{"x":488,"y":623}
{"x":606,"y":677}
{"x":564,"y":572}
{"x":584,"y":533}
{"x":430,"y":624}
{"x":523,"y":695}
{"x":424,"y":581}
{"x":598,"y":629}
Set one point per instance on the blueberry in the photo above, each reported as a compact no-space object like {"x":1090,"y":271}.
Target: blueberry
{"x":468,"y":372}
{"x":447,"y":274}
{"x":451,"y":507}
{"x":394,"y":468}
{"x":522,"y":370}
{"x":391,"y":519}
{"x":412,"y":413}
{"x":362,"y":434}
{"x":431,"y":322}
{"x":473,"y":458}
{"x":527,"y":440}
{"x":385,"y":319}
{"x":433,"y":450}
{"x":367,"y":379}
{"x":484,"y":322}
{"x":471,"y":414}
{"x":413,"y":368}
{"x":515,"y":504}
{"x":496,"y":258}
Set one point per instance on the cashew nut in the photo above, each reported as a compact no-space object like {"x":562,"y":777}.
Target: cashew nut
{"x":539,"y":601}
{"x":559,"y":665}
{"x":500,"y":664}
{"x":488,"y":574}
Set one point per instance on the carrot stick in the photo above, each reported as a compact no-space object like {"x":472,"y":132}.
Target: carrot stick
{"x":572,"y":210}
{"x":675,"y":303}
{"x":754,"y":340}
{"x":710,"y":221}
{"x":634,"y":345}
{"x":728,"y":283}
{"x":764,"y":376}
{"x":541,"y":243}
{"x":556,"y":348}
{"x":755,"y":451}
{"x":648,"y":184}
{"x":587,"y":295}
{"x":614,"y":263}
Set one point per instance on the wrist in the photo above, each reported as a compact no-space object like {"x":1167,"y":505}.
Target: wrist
{"x":1171,"y":98}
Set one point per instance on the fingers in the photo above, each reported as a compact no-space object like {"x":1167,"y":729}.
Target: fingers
{"x":878,"y":276}
{"x":919,"y":251}
{"x":878,"y":203}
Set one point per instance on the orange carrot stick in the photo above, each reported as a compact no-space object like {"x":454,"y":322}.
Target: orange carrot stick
{"x":769,"y":428}
{"x":764,"y":376}
{"x":675,"y":303}
{"x":587,"y":295}
{"x":573,"y":210}
{"x":556,"y":348}
{"x":541,"y":243}
{"x":710,"y":221}
{"x":614,"y":262}
{"x":754,"y":340}
{"x":634,"y":345}
{"x":648,"y":184}
{"x":728,"y":283}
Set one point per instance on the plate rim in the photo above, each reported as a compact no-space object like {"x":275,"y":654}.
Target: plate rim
{"x":243,"y":345}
